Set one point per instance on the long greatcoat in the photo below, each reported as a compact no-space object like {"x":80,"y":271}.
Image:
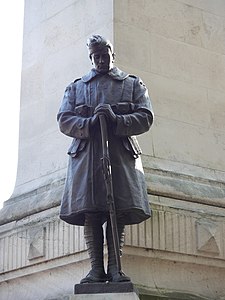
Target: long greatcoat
{"x":85,"y":191}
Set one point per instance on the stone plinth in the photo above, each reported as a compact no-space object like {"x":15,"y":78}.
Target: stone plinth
{"x":108,"y":296}
{"x":99,"y":288}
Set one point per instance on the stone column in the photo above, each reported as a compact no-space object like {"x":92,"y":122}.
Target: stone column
{"x":54,"y":54}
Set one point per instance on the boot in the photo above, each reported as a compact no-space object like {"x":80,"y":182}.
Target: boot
{"x":93,"y":234}
{"x":113,"y":273}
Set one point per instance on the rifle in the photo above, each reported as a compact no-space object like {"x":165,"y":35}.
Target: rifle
{"x":107,"y":172}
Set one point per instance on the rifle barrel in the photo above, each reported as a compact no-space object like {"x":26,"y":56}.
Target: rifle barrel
{"x":107,"y":171}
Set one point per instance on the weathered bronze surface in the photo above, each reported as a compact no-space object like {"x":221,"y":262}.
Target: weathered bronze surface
{"x":124,"y":102}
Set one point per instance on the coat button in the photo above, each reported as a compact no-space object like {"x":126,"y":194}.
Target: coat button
{"x":128,"y":122}
{"x":80,"y":124}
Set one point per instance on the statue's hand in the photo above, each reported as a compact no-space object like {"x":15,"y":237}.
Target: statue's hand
{"x":94,"y":120}
{"x":105,"y":109}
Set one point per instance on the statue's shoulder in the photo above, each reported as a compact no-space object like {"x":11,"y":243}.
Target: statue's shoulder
{"x":77,"y":79}
{"x":72,"y":86}
{"x":137,"y":79}
{"x":133,"y":76}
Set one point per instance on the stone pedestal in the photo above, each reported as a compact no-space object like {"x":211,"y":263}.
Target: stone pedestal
{"x":122,"y":290}
{"x":99,"y":288}
{"x":107,"y":296}
{"x":105,"y":291}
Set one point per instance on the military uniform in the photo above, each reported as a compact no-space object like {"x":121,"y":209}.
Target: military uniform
{"x":85,"y":190}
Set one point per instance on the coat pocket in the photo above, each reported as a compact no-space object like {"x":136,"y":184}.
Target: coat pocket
{"x":131,"y":144}
{"x":76,"y":147}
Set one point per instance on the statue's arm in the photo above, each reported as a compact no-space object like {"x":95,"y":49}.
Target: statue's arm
{"x":69,"y":123}
{"x":141,"y":118}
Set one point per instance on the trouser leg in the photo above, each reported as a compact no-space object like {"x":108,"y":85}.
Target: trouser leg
{"x":93,"y":234}
{"x":112,"y":269}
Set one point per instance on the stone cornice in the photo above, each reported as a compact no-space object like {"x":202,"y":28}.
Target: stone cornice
{"x":164,"y":178}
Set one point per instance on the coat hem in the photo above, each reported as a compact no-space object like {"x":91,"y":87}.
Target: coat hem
{"x":130,"y":217}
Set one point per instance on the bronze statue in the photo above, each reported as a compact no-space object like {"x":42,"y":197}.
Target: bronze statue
{"x":124,"y":102}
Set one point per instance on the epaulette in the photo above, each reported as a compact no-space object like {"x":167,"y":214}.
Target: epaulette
{"x":140,"y":80}
{"x":77,"y":79}
{"x":133,"y":76}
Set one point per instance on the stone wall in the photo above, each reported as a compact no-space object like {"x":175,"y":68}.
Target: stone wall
{"x":178,"y":48}
{"x":54,"y":54}
{"x":179,"y":53}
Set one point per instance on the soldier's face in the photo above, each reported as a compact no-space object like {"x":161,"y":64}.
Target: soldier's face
{"x":103,"y":59}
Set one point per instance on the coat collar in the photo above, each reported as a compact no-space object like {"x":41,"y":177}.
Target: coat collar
{"x":115,"y":73}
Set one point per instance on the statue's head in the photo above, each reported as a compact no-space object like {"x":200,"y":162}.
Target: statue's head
{"x":101,"y":53}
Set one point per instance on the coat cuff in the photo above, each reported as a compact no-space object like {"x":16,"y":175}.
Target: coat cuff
{"x":123,"y":125}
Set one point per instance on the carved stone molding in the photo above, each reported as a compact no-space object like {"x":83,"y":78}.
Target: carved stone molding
{"x":184,"y":230}
{"x":164,"y":178}
{"x":208,"y":237}
{"x":36,"y":242}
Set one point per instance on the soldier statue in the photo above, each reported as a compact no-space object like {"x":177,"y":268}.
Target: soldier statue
{"x":124,"y":102}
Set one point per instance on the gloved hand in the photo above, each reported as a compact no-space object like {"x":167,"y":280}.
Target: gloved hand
{"x":94,"y":120}
{"x":105,"y":109}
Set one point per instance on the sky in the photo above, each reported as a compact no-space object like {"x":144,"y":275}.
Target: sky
{"x":11,"y":32}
